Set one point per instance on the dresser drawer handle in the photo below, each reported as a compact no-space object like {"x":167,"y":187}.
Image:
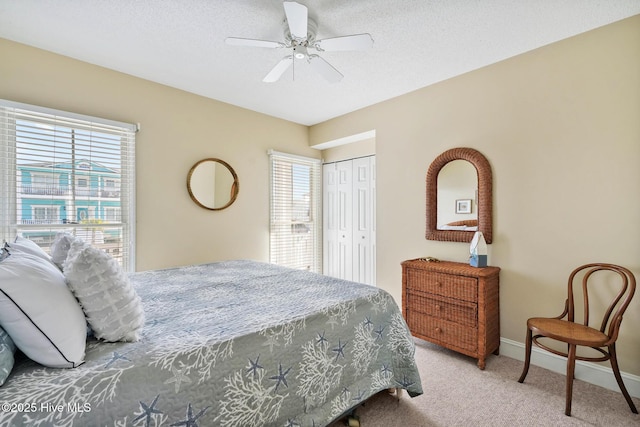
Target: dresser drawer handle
{"x":439,"y":284}
{"x":438,"y":307}
{"x":438,"y":330}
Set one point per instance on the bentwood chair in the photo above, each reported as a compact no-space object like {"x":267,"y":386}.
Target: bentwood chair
{"x":563,"y":328}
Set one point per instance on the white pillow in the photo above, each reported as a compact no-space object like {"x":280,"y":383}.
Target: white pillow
{"x":111,"y":305}
{"x":40,"y":313}
{"x":27,"y":246}
{"x":60,"y":247}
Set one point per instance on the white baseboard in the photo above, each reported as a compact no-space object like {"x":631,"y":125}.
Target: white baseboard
{"x":588,"y":372}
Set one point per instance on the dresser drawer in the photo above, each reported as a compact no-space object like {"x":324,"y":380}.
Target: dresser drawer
{"x":457,"y":311}
{"x":449,"y":285}
{"x":443,"y":332}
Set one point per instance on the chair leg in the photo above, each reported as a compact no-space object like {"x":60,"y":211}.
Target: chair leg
{"x":616,"y":372}
{"x":527,"y":355}
{"x":571,"y":367}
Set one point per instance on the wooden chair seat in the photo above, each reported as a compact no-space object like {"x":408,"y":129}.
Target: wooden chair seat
{"x":569,"y":332}
{"x":566,"y":329}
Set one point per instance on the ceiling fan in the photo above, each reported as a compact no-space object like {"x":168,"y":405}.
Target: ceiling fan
{"x":300,"y":36}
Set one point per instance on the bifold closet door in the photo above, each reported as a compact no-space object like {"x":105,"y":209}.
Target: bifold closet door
{"x":362,"y":199}
{"x":338,"y":219}
{"x":329,"y":227}
{"x":349,"y":219}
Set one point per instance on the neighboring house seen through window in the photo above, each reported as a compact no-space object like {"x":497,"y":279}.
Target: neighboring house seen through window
{"x":62,"y":171}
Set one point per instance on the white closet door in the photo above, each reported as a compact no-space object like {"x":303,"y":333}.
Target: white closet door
{"x":373,"y":220}
{"x":363,"y":260}
{"x":344,"y":216}
{"x":349,"y":220}
{"x":337,"y":220}
{"x":329,"y":220}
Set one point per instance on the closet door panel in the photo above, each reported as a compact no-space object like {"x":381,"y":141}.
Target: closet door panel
{"x":372,"y":235}
{"x":345,"y":219}
{"x":329,"y":221}
{"x":362,"y":216}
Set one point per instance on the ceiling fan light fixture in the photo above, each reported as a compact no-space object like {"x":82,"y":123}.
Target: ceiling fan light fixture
{"x":300,"y":52}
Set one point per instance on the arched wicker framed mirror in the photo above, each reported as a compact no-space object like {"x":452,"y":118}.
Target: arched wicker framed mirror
{"x":213,"y":184}
{"x":484,"y":197}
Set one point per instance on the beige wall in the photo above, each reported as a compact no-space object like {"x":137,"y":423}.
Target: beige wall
{"x":178,"y":129}
{"x":561,"y":128}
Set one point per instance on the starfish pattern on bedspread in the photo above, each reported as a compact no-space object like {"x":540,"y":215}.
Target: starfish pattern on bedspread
{"x":254,"y":366}
{"x":345,"y":391}
{"x":339,"y":350}
{"x":321,"y":338}
{"x":368,"y":322}
{"x":147,"y":412}
{"x":385,"y":369}
{"x":379,"y":332}
{"x":191,"y":419}
{"x":281,"y":378}
{"x":116,"y":356}
{"x":178,"y":378}
{"x":405,"y":383}
{"x":359,"y":397}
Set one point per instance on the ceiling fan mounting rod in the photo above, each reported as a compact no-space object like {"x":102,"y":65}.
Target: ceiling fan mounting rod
{"x":295,"y":41}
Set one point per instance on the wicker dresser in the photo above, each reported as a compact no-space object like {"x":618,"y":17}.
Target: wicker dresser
{"x":454,"y":305}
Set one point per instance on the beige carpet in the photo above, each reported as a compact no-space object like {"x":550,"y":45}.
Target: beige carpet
{"x":457,"y":393}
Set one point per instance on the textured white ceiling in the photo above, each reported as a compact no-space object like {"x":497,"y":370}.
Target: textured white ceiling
{"x":180,"y":43}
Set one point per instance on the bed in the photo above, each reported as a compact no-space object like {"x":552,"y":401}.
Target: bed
{"x":464,"y":225}
{"x":233,"y":343}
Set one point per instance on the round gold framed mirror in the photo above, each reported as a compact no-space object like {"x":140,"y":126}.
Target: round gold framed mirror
{"x":213,"y":184}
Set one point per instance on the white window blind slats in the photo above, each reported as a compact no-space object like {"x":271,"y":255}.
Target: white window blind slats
{"x":294,"y":212}
{"x":67,"y":172}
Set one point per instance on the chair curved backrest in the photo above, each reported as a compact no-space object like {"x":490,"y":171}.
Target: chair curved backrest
{"x":614,"y":312}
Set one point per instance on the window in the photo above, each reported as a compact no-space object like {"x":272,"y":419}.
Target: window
{"x":42,"y":183}
{"x":52,"y":164}
{"x":294,"y":214}
{"x":45,"y":215}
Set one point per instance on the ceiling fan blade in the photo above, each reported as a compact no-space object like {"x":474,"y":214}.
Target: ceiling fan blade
{"x":325,"y":69}
{"x":236,"y":41}
{"x":278,"y":70}
{"x":353,"y":42}
{"x":297,"y":19}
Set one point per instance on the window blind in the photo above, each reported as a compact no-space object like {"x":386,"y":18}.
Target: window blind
{"x":295,"y":211}
{"x":63,"y":171}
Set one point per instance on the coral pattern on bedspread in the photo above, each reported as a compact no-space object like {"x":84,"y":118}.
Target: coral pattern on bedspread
{"x":234,"y":343}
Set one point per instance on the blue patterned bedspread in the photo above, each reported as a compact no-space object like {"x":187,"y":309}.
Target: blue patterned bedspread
{"x":235,"y":343}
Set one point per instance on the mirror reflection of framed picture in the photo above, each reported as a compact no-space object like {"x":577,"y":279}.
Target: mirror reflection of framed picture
{"x":463,"y":206}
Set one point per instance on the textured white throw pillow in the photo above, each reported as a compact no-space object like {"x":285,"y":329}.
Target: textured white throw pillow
{"x":40,"y":313}
{"x":111,"y":305}
{"x":60,"y":247}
